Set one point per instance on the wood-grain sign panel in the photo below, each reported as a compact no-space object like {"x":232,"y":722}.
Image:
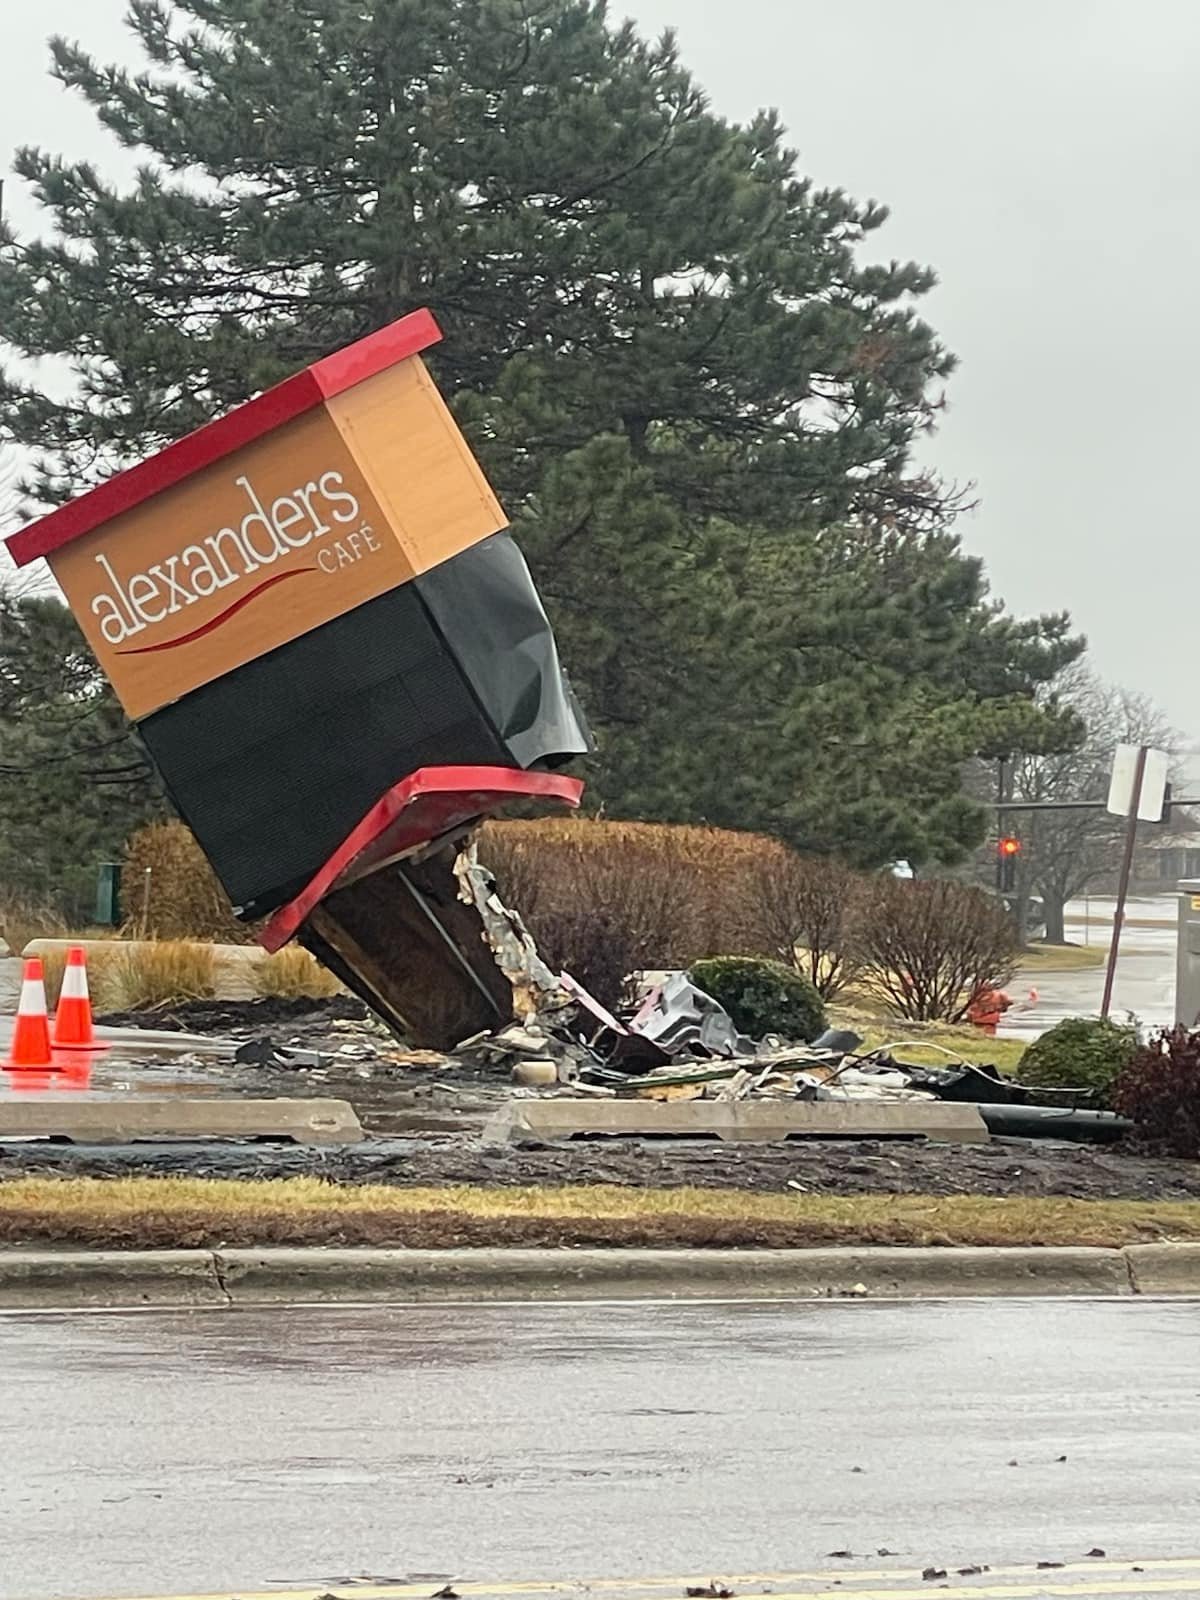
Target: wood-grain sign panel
{"x":317,"y":516}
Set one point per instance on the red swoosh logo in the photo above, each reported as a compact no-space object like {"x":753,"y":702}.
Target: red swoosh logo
{"x":222,"y":616}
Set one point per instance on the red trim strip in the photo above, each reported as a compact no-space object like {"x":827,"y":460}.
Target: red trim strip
{"x":222,"y":616}
{"x":486,"y":788}
{"x":302,"y":392}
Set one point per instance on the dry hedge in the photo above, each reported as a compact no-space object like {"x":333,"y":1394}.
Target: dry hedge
{"x":608,"y":899}
{"x":605,"y":899}
{"x":182,"y":897}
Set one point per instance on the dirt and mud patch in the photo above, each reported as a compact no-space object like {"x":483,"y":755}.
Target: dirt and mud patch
{"x":1004,"y":1168}
{"x":244,"y":1016}
{"x":423,"y":1118}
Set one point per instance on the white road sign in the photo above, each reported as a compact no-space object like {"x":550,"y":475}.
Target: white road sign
{"x":1124,"y":775}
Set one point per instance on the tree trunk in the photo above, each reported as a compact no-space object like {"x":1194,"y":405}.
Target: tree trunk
{"x":1054,"y":907}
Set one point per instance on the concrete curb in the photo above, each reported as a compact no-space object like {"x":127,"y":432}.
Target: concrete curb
{"x":95,"y":1278}
{"x":314,"y":1274}
{"x":31,"y":1278}
{"x":1164,"y":1268}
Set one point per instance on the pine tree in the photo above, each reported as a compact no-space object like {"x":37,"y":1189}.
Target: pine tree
{"x":74,"y":783}
{"x":661,"y":338}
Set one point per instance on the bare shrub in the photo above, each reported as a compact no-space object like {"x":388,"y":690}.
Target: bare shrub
{"x":931,"y":947}
{"x":182,"y":897}
{"x":804,"y":910}
{"x":606,"y":899}
{"x":22,"y":921}
{"x":293,"y":974}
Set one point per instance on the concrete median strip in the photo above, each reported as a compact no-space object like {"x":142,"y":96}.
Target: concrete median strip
{"x":96,"y":1278}
{"x":740,"y":1121}
{"x":118,"y":1121}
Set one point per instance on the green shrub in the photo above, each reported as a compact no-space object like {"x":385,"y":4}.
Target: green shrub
{"x":1080,"y":1053}
{"x":1159,"y":1087}
{"x":762,"y":996}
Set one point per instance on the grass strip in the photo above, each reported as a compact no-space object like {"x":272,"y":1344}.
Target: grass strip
{"x":918,"y":1042}
{"x":1062,"y":957}
{"x":144,"y":1213}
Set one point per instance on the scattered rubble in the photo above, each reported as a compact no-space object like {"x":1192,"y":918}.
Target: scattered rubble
{"x":677,"y":1044}
{"x":673,"y":1044}
{"x":549,"y":1037}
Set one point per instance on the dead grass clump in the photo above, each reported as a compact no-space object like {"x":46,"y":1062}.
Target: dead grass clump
{"x":99,"y":972}
{"x":293,"y":974}
{"x":146,"y":976}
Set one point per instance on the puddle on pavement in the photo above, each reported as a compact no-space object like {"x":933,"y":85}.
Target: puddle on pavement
{"x":386,"y":1107}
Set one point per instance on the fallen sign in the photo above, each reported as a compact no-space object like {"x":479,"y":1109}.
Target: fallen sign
{"x":744,"y":1121}
{"x":336,"y":658}
{"x":126,"y":1121}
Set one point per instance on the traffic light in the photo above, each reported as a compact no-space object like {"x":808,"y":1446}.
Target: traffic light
{"x":1008,"y":849}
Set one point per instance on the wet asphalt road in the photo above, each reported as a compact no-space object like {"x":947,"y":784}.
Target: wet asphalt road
{"x":170,"y":1454}
{"x":1145,"y":978}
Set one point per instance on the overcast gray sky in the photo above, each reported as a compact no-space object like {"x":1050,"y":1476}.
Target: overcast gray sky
{"x":1042,"y":155}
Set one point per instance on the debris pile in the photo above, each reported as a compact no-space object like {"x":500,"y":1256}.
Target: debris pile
{"x":679,"y":1044}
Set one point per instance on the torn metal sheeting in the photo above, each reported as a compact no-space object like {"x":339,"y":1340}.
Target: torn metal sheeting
{"x":301,"y":1121}
{"x":749,"y":1121}
{"x":679,"y":1017}
{"x":535,"y":989}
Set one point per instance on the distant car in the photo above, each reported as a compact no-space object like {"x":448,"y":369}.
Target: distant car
{"x":1035,"y":915}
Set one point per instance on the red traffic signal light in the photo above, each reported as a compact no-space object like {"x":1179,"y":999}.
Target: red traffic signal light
{"x":1009,"y":847}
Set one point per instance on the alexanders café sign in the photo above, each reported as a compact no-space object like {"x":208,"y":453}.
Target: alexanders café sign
{"x":237,"y":558}
{"x":342,"y":483}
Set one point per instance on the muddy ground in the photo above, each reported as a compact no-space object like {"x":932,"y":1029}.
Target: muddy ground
{"x":1004,"y":1167}
{"x":423,"y":1120}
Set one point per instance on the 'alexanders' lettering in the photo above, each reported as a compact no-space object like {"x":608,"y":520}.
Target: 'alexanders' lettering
{"x":128,"y":606}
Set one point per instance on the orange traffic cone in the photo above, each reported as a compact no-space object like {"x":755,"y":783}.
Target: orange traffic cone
{"x":73,"y":1019}
{"x":30,"y":1047}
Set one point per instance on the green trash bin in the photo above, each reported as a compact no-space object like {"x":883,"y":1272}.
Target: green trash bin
{"x":108,"y":894}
